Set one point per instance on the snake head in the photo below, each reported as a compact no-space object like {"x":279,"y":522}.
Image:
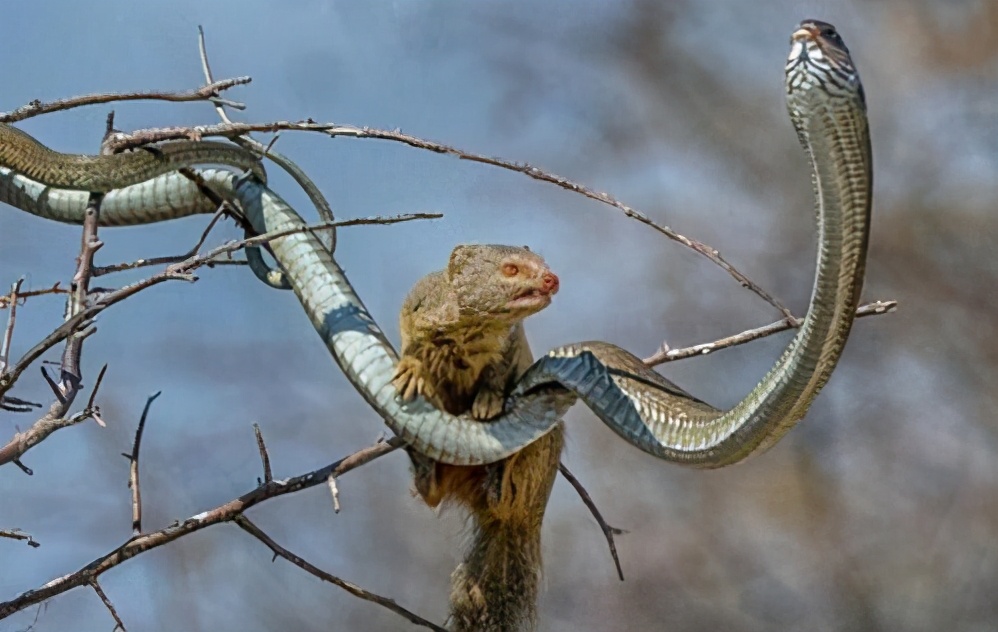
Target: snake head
{"x":819,"y":59}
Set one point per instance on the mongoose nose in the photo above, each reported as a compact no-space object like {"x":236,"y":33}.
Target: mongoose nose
{"x":550,"y":282}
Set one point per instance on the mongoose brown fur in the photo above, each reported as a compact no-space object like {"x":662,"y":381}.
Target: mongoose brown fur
{"x":463,"y":347}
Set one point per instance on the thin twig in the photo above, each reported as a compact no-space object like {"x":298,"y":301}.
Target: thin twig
{"x":133,"y":469}
{"x":93,"y":407}
{"x":334,"y":491}
{"x":223,"y":513}
{"x":118,"y":623}
{"x":140,"y":263}
{"x":204,"y":93}
{"x":142,"y":137}
{"x":322,"y":207}
{"x":5,"y":300}
{"x":18,"y":405}
{"x":279,"y":551}
{"x":17,"y":534}
{"x":8,"y":334}
{"x":665,"y":354}
{"x":268,"y":474}
{"x":608,"y":531}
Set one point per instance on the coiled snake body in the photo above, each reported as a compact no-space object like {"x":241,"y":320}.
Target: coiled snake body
{"x":99,"y":174}
{"x":826,"y":104}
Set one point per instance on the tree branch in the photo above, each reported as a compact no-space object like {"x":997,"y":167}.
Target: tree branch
{"x":665,"y":354}
{"x":608,"y":531}
{"x":210,"y":92}
{"x":279,"y":551}
{"x":229,"y":130}
{"x":223,"y":513}
{"x":17,"y":534}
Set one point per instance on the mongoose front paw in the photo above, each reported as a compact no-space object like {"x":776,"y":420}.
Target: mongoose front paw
{"x":488,"y":404}
{"x":409,"y":381}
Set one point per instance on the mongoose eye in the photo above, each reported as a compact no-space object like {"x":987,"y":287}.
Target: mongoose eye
{"x":510,"y":269}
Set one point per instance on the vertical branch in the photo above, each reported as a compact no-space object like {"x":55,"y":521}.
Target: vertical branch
{"x":79,"y":295}
{"x":133,"y":470}
{"x":8,"y":333}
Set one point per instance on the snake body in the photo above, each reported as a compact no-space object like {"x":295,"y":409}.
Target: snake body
{"x":100,"y":174}
{"x":826,"y":104}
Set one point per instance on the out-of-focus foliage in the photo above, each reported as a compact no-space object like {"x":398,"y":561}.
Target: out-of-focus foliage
{"x":880,"y":512}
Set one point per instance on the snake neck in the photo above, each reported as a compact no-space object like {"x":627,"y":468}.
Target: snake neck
{"x":836,"y":139}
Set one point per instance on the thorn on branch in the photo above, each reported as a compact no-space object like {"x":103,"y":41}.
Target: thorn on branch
{"x":268,"y":475}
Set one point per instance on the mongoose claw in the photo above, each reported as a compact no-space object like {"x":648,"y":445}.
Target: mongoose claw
{"x":488,"y":404}
{"x":408,"y":380}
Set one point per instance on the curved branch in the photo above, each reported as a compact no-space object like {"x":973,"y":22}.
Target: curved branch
{"x":227,"y":512}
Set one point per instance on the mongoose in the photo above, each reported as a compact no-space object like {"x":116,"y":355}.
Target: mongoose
{"x":463,"y":347}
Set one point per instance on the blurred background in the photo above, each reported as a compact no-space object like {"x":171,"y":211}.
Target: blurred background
{"x":879,"y":512}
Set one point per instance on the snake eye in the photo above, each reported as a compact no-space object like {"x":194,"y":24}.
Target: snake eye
{"x":510,"y":270}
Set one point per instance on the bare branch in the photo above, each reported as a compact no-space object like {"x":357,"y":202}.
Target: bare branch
{"x":78,"y":298}
{"x":230,"y":130}
{"x":223,"y":513}
{"x":6,"y":299}
{"x":17,"y":534}
{"x":204,"y":93}
{"x":353,"y":589}
{"x":18,"y":405}
{"x":334,"y":491}
{"x":118,"y":623}
{"x":608,"y":531}
{"x":268,"y":474}
{"x":21,"y":442}
{"x":318,"y":200}
{"x":69,"y":384}
{"x":133,"y":469}
{"x":665,"y":354}
{"x":93,"y":396}
{"x":8,"y":334}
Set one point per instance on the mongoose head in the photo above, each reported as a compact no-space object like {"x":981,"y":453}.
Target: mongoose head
{"x":501,"y":282}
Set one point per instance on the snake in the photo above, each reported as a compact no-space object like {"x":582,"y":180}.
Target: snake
{"x":827,"y":107}
{"x":20,"y":152}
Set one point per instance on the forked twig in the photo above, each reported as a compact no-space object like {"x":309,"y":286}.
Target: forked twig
{"x":608,"y":531}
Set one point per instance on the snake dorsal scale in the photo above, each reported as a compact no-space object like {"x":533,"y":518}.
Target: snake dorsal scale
{"x":23,"y":154}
